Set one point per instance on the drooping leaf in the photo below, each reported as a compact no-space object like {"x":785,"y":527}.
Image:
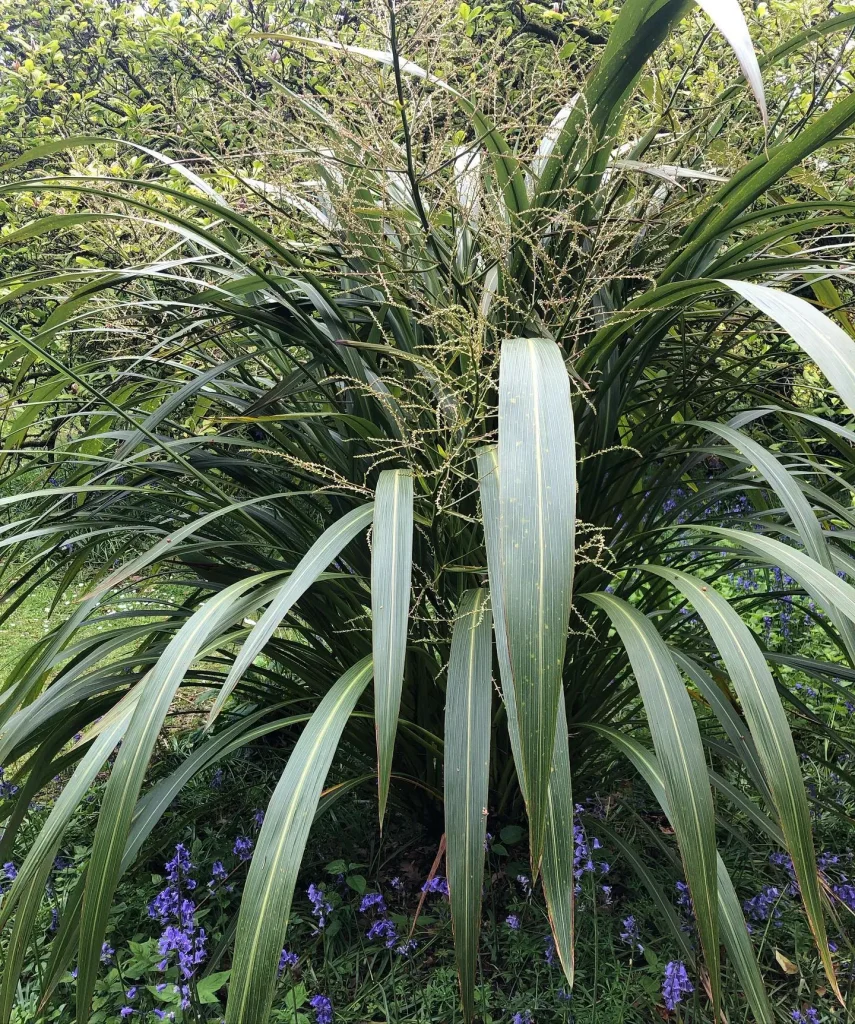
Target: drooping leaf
{"x":677,"y":742}
{"x":753,"y":681}
{"x":330,"y":544}
{"x":730,"y":918}
{"x":266,"y":903}
{"x":120,"y":795}
{"x":827,"y":344}
{"x":728,"y":18}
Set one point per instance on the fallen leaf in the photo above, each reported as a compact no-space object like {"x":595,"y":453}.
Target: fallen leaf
{"x":786,"y":965}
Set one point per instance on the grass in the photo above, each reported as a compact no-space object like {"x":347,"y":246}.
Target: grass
{"x":26,"y":626}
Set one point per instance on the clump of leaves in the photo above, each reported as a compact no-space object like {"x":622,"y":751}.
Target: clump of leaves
{"x":517,"y":411}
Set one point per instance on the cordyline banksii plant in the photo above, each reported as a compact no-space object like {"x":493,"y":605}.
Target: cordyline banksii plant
{"x":356,"y":460}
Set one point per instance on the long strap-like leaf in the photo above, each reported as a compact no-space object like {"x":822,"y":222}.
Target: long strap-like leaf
{"x":537,"y":510}
{"x":331,"y":542}
{"x":755,"y":686}
{"x":786,"y":486}
{"x":391,"y":571}
{"x":827,"y":344}
{"x":28,"y":888}
{"x":120,"y":796}
{"x":731,"y":922}
{"x":467,"y":764}
{"x":266,"y":902}
{"x":558,"y":878}
{"x":677,"y":741}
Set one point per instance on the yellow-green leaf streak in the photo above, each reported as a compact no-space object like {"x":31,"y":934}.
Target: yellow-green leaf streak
{"x":266,"y":903}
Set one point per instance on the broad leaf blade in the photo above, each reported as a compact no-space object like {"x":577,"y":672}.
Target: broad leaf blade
{"x":731,"y":922}
{"x":28,"y":888}
{"x":558,"y":878}
{"x":467,"y":763}
{"x":753,"y":681}
{"x":537,"y":506}
{"x":677,"y":741}
{"x":391,"y":571}
{"x":266,"y":902}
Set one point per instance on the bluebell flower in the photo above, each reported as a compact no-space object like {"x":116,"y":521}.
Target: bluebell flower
{"x":180,"y":866}
{"x":523,"y":1017}
{"x":243,"y":848}
{"x":513,"y":922}
{"x":397,"y":884}
{"x":107,"y":952}
{"x":764,"y":906}
{"x":383,"y":928}
{"x":258,"y":818}
{"x":218,"y":873}
{"x":406,"y":947}
{"x":372,"y":901}
{"x":323,"y":1008}
{"x":675,"y":984}
{"x":524,"y":882}
{"x":845,"y":893}
{"x":131,"y":994}
{"x":437,"y":884}
{"x":629,"y":935}
{"x":7,"y":789}
{"x":583,"y":848}
{"x":808,"y":1016}
{"x":217,"y":779}
{"x":126,"y":1011}
{"x":287,"y":959}
{"x":320,"y":907}
{"x":549,"y":952}
{"x":10,"y":870}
